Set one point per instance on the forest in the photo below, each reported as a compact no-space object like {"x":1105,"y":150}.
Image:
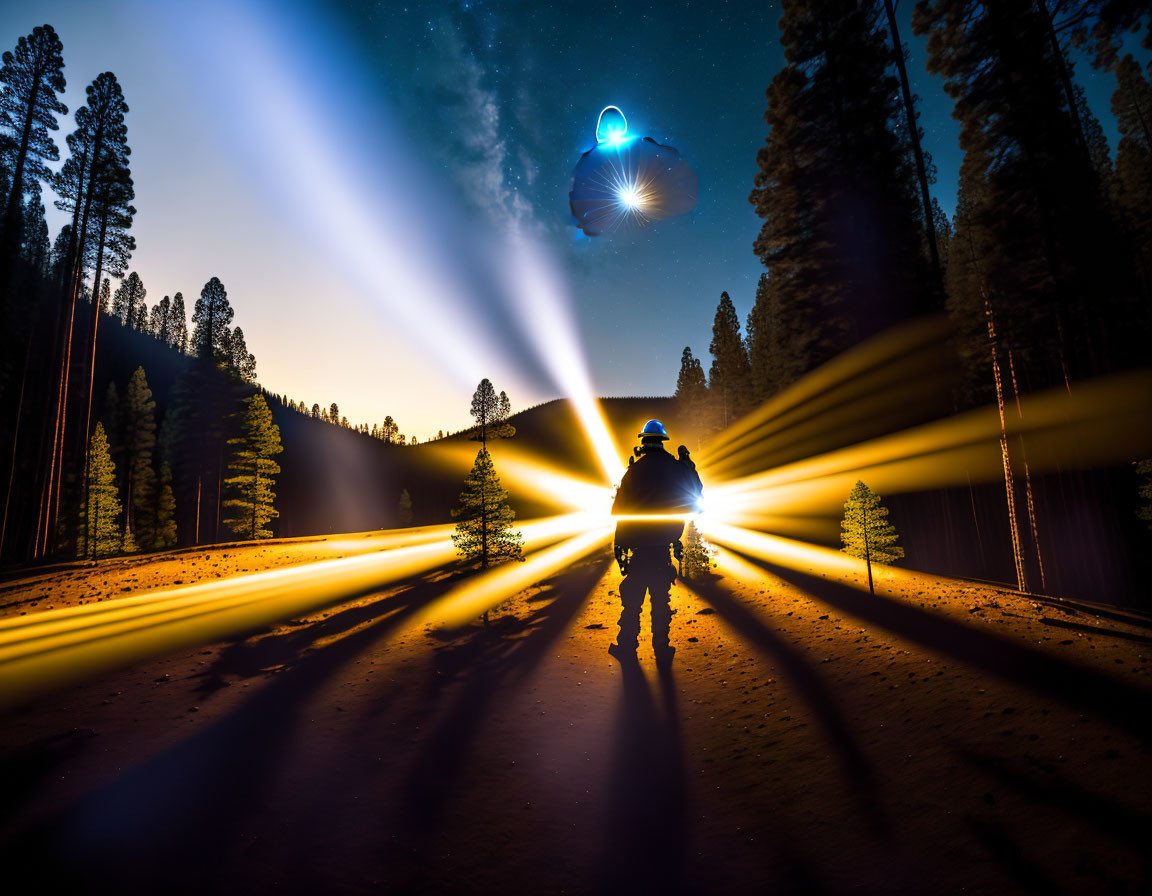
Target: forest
{"x":1044,"y":272}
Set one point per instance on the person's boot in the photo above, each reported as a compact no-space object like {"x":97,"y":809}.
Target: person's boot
{"x":622,"y":652}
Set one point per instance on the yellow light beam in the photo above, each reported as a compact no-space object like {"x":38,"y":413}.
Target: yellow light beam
{"x":1103,"y":421}
{"x":890,"y":347}
{"x":55,"y":647}
{"x":471,"y":598}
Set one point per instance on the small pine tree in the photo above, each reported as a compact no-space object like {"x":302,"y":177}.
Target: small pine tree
{"x":484,"y":529}
{"x":100,"y":513}
{"x":165,"y":511}
{"x":251,"y":471}
{"x":867,"y":534}
{"x":404,"y":509}
{"x":1144,"y":476}
{"x":697,"y":557}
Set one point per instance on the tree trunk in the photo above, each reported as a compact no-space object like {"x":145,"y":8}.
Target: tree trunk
{"x":917,"y":151}
{"x":868,"y":555}
{"x":1027,"y":476}
{"x":15,"y":443}
{"x":1005,"y":457}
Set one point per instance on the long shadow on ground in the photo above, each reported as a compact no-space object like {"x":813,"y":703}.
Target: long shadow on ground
{"x":1126,"y":706}
{"x":808,"y":683}
{"x":646,"y":829}
{"x":491,"y":659}
{"x":170,"y":825}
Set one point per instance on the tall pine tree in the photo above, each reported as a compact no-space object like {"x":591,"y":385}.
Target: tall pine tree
{"x":729,"y":379}
{"x":692,"y":392}
{"x":836,"y":186}
{"x":30,"y":78}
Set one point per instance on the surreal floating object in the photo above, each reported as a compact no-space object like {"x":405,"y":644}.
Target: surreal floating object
{"x":628,"y":181}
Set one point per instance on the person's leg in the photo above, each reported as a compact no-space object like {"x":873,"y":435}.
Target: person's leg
{"x":632,"y":590}
{"x":660,"y":590}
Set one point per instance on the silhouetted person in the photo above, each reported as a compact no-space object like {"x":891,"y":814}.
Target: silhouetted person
{"x":657,"y":485}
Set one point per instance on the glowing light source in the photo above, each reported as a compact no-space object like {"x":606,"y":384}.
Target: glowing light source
{"x":631,"y":197}
{"x":611,"y":126}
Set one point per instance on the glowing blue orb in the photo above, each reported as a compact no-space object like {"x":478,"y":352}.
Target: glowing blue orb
{"x":611,"y":126}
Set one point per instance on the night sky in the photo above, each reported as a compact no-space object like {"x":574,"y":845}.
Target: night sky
{"x":493,"y":104}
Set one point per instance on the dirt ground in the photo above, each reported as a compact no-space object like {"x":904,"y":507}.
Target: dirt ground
{"x":808,"y":737}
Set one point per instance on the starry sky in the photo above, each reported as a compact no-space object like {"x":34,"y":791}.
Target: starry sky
{"x":349,"y":170}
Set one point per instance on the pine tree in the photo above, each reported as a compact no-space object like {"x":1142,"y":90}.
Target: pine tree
{"x":484,"y":530}
{"x":100,"y":532}
{"x":486,"y":411}
{"x":315,"y":411}
{"x":139,"y":415}
{"x":178,"y":325}
{"x":128,"y":299}
{"x":30,"y":78}
{"x":210,"y":320}
{"x":389,"y":431}
{"x":98,"y":143}
{"x":250,"y":486}
{"x":35,"y":247}
{"x":729,"y":380}
{"x":836,"y":187}
{"x":158,"y":320}
{"x":334,"y":413}
{"x":1132,"y":179}
{"x":241,"y":362}
{"x":866,"y":532}
{"x":696,"y":559}
{"x":1051,"y":257}
{"x":692,"y":392}
{"x":404,"y":510}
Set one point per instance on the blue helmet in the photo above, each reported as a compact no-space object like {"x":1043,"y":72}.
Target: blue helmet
{"x":653,"y":429}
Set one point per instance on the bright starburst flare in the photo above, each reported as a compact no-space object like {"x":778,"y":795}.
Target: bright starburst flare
{"x":622,"y":195}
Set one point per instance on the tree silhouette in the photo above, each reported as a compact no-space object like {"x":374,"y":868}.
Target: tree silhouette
{"x":31,"y":76}
{"x":250,"y":486}
{"x":866,"y":532}
{"x":389,"y":431}
{"x":178,"y":325}
{"x":128,"y":298}
{"x":729,"y":377}
{"x":842,"y":233}
{"x":210,"y":319}
{"x":158,"y":320}
{"x":404,"y":510}
{"x":484,"y":530}
{"x":485,"y":408}
{"x":241,"y":362}
{"x":692,"y":391}
{"x":1050,"y":254}
{"x":99,"y":514}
